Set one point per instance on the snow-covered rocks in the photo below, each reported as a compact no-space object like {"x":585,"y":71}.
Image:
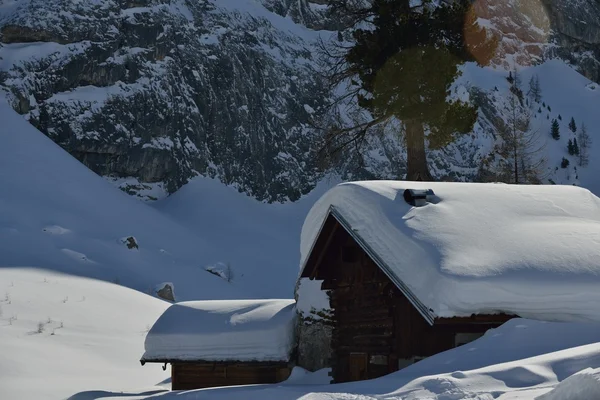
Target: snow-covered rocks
{"x":533,"y":251}
{"x":223,"y":330}
{"x":130,"y":242}
{"x":166,"y":291}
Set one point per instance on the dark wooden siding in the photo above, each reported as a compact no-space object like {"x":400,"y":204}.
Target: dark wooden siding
{"x":188,"y":376}
{"x":376,"y":330}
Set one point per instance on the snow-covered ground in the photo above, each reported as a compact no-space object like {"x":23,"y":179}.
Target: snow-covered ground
{"x":61,"y":334}
{"x":520,"y":360}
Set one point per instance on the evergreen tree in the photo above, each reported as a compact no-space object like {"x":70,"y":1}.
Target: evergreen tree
{"x":401,"y":66}
{"x":564,"y":163}
{"x":575,"y":147}
{"x":570,"y":147}
{"x":572,"y":125}
{"x":585,"y":143}
{"x":555,"y":130}
{"x":559,"y":117}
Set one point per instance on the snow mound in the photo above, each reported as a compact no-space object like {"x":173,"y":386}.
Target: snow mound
{"x":584,"y":385}
{"x":223,"y":330}
{"x":62,"y":334}
{"x":532,"y":251}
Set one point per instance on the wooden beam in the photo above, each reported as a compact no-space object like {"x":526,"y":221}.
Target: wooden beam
{"x":324,"y":249}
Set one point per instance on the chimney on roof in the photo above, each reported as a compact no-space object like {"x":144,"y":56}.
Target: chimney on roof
{"x":418,"y":197}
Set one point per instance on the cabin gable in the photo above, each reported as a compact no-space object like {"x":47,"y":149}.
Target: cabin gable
{"x":376,"y":328}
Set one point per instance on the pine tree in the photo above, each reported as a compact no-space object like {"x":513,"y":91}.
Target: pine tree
{"x":535,"y":90}
{"x":572,"y":125}
{"x":403,"y":62}
{"x":570,"y":148}
{"x":555,"y":130}
{"x":564,"y":163}
{"x":559,"y":117}
{"x":575,"y":147}
{"x":585,"y":142}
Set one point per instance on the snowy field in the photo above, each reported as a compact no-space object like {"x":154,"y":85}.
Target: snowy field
{"x":521,"y":360}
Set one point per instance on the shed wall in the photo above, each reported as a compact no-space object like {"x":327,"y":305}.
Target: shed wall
{"x":189,"y":376}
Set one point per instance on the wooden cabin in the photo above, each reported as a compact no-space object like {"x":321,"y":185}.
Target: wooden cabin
{"x":376,"y":328}
{"x":378,"y":325}
{"x":224,"y":343}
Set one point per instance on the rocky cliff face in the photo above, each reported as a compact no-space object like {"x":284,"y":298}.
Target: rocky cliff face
{"x":163,"y":90}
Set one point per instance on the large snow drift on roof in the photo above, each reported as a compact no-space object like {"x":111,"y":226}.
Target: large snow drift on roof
{"x":223,"y":330}
{"x":481,"y":248}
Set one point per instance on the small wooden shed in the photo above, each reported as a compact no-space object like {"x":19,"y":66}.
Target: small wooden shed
{"x":224,"y":343}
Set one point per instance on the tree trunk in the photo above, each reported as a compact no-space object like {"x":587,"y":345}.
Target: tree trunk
{"x":416,"y":163}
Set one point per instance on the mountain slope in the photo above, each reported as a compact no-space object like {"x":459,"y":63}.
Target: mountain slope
{"x":164,"y":90}
{"x":56,"y":214}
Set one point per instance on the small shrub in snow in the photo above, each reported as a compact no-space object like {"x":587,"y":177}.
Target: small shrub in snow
{"x":564,"y":163}
{"x":66,"y":299}
{"x":40,"y":327}
{"x":49,"y":320}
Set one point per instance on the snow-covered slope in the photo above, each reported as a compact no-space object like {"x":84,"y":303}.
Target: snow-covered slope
{"x":56,"y":214}
{"x":258,"y":241}
{"x":60,"y":335}
{"x":565,"y":94}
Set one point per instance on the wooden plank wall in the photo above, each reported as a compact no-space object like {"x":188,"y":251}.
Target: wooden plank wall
{"x":188,"y":376}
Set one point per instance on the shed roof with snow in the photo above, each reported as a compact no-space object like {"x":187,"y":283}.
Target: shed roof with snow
{"x":223,"y":330}
{"x":471,"y":248}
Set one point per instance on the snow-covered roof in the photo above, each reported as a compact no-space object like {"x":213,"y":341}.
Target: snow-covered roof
{"x":223,"y":330}
{"x":532,"y":251}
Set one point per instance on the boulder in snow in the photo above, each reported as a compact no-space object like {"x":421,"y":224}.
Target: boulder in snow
{"x":166,"y":291}
{"x":130,"y":242}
